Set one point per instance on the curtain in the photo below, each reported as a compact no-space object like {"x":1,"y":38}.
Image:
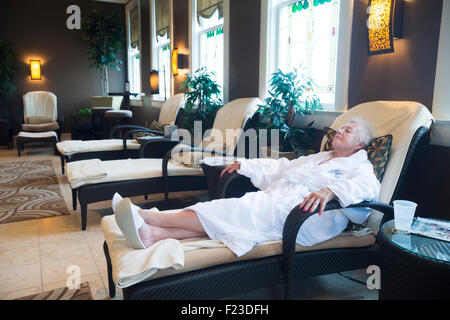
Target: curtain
{"x":135,"y":33}
{"x":162,"y":10}
{"x":206,"y":8}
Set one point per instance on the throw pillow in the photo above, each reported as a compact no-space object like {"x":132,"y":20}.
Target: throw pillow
{"x":377,"y":151}
{"x":155,"y":125}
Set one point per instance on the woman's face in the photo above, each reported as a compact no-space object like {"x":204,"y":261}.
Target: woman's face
{"x":347,"y":138}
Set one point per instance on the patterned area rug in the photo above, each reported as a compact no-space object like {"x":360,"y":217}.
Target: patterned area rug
{"x":84,"y":293}
{"x":29,"y":190}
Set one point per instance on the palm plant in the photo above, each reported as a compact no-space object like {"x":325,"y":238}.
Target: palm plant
{"x":104,"y":34}
{"x":289,"y":95}
{"x":202,"y":95}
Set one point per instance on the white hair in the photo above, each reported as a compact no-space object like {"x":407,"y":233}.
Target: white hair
{"x":365,"y":129}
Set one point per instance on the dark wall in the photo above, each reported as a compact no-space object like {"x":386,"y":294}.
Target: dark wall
{"x":409,"y":72}
{"x":180,"y":35}
{"x":145,"y":47}
{"x":37,"y":29}
{"x":406,"y":74}
{"x":245,"y":26}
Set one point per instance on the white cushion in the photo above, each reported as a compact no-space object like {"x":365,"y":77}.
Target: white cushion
{"x":170,"y":108}
{"x":130,"y":169}
{"x":48,"y":134}
{"x":40,"y":104}
{"x":70,"y":147}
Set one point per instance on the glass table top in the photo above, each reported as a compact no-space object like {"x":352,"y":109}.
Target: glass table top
{"x":422,"y":246}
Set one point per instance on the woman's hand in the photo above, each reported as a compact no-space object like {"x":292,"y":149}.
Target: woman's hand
{"x":317,"y":198}
{"x":231,"y":168}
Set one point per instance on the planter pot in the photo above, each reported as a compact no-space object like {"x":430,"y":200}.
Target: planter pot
{"x":267,"y":152}
{"x":107,"y":102}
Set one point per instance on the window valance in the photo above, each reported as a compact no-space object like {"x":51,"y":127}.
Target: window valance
{"x":206,"y":8}
{"x":135,"y":30}
{"x":162,"y":14}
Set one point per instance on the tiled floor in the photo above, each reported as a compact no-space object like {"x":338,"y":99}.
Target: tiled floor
{"x":35,"y":254}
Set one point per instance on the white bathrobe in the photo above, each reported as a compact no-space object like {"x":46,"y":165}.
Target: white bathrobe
{"x":241,"y":223}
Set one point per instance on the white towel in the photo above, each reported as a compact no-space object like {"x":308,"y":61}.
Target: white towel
{"x":80,"y":172}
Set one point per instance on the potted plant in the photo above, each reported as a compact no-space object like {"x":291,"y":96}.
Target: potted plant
{"x":81,"y":124}
{"x":104,"y":33}
{"x":7,"y":88}
{"x":289,"y":95}
{"x":202,"y":95}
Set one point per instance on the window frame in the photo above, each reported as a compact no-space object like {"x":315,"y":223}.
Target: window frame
{"x":194,"y":43}
{"x":155,"y":53}
{"x":269,"y":53}
{"x":128,"y":9}
{"x":441,"y":95}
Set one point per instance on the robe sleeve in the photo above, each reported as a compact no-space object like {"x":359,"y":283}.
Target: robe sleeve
{"x":357,"y":185}
{"x":264,"y":171}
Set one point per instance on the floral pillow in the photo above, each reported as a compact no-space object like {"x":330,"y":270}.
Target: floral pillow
{"x":377,"y":151}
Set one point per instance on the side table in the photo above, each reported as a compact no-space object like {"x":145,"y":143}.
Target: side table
{"x":413,"y":266}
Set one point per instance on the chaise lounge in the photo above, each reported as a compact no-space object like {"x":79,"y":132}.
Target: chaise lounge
{"x":214,"y":272}
{"x":112,"y":149}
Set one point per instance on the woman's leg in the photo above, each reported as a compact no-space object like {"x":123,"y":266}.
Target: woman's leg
{"x":186,"y":219}
{"x":151,"y":234}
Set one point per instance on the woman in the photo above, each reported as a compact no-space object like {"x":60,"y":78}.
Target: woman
{"x":344,"y":174}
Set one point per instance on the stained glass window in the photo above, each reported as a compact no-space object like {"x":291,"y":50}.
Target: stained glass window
{"x":307,"y":39}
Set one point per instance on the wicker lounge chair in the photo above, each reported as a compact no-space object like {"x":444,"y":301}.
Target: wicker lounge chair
{"x":144,"y":176}
{"x":112,"y":149}
{"x":220,"y":275}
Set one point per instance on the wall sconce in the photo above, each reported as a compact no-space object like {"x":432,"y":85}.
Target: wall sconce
{"x":154,"y":82}
{"x":35,"y":70}
{"x":179,"y":61}
{"x":384,"y":23}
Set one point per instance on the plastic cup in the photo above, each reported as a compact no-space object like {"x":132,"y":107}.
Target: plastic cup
{"x":404,"y":214}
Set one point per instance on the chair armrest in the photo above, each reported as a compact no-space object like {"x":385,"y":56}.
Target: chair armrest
{"x":234,"y":185}
{"x":296,"y":219}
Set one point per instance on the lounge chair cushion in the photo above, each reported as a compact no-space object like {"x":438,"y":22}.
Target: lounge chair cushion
{"x":170,"y":108}
{"x":38,"y":120}
{"x":52,"y":126}
{"x":123,"y":170}
{"x":226,"y":132}
{"x":70,"y":147}
{"x":170,"y":257}
{"x":377,"y":151}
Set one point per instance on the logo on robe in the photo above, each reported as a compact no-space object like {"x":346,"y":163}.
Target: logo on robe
{"x":336,"y":173}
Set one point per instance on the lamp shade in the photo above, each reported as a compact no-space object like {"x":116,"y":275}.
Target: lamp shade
{"x":154,"y":82}
{"x":380,"y":26}
{"x":179,"y":61}
{"x":35,"y":70}
{"x":175,"y":62}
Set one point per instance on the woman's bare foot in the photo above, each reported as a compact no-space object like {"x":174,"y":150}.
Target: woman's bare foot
{"x":147,"y":235}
